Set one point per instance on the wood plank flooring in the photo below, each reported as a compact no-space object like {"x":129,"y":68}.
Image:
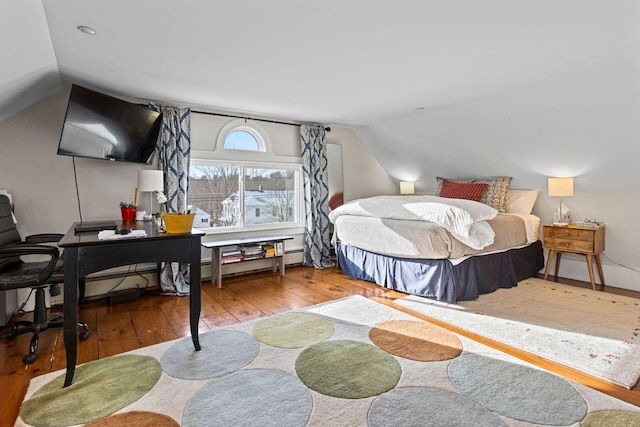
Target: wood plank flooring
{"x":155,"y":318}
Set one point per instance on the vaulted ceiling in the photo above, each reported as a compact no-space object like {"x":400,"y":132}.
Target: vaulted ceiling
{"x":388,"y":69}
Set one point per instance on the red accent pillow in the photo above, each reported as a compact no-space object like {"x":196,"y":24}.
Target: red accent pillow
{"x":462,"y":190}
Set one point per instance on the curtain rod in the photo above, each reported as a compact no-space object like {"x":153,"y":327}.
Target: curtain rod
{"x":327,"y":128}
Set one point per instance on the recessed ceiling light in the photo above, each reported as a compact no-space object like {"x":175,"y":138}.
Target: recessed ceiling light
{"x":86,"y":30}
{"x":420,"y":109}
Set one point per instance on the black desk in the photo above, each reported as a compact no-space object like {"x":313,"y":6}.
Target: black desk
{"x":85,"y":254}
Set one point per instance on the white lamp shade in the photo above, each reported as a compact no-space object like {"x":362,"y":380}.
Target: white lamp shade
{"x":407,"y":187}
{"x":561,"y":187}
{"x":150,"y":180}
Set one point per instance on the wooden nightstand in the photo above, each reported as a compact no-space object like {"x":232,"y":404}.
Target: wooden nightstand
{"x":574,"y":239}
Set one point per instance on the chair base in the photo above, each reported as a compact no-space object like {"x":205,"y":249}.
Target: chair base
{"x":40,"y":323}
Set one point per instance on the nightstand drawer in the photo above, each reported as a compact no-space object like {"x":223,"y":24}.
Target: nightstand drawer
{"x":568,"y":233}
{"x":568,"y":244}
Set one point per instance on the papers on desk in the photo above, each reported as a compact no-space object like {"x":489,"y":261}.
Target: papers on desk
{"x":111,"y":235}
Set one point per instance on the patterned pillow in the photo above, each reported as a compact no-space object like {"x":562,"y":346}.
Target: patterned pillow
{"x":462,"y":190}
{"x":495,"y":195}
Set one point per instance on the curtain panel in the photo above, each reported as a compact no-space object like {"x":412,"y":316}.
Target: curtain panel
{"x":317,"y":236}
{"x":174,"y":149}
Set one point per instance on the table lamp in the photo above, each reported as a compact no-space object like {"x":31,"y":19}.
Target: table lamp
{"x":150,"y":181}
{"x":560,"y":187}
{"x":407,"y":187}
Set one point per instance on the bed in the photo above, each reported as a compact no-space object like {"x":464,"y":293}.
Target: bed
{"x":449,"y":249}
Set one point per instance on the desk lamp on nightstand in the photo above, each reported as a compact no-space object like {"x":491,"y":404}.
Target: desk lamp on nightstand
{"x":150,"y":181}
{"x":560,"y":187}
{"x":407,"y":187}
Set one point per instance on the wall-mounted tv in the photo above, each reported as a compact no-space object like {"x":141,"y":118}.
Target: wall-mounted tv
{"x":99,"y":126}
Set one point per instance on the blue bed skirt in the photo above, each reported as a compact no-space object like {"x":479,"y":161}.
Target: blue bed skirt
{"x":439,"y":278}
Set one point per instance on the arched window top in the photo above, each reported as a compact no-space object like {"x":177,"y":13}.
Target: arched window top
{"x":243,"y":135}
{"x":241,"y":139}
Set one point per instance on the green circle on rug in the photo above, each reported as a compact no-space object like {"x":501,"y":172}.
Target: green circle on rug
{"x":517,"y":391}
{"x":348,"y":369}
{"x":419,"y":406}
{"x":260,"y":397}
{"x":415,"y":340}
{"x":611,"y":419}
{"x":99,"y":388}
{"x":293,"y":330}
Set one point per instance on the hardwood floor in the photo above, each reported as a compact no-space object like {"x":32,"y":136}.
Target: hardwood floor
{"x":155,"y":318}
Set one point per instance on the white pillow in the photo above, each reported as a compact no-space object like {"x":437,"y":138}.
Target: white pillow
{"x":521,"y":201}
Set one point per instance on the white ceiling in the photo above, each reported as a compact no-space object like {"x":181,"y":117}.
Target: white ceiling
{"x":334,"y":61}
{"x":365,"y":64}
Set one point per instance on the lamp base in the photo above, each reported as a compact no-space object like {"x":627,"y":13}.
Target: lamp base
{"x":560,"y":224}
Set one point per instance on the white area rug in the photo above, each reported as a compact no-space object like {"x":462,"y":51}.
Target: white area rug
{"x":591,"y":331}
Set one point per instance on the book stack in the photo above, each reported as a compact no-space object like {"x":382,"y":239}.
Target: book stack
{"x":250,"y":252}
{"x":231,"y":254}
{"x":269,"y":250}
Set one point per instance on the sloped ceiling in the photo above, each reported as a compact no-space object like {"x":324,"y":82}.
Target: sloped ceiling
{"x":510,"y":77}
{"x":29,"y":71}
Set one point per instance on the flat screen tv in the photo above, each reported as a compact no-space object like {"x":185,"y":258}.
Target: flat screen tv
{"x":99,"y":126}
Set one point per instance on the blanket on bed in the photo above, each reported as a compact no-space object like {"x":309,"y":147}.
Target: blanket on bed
{"x":464,"y":219}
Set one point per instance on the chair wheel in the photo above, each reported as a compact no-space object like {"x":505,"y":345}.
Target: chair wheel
{"x":28,"y":358}
{"x":83,"y":335}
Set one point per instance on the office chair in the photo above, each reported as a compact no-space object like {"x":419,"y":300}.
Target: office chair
{"x":16,"y":274}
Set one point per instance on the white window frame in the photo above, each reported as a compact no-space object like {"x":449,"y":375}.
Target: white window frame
{"x":242,"y":165}
{"x":249,"y":126}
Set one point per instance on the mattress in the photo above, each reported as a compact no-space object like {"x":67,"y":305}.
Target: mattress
{"x":426,"y":240}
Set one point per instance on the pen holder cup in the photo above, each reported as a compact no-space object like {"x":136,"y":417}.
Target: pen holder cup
{"x":176,"y":223}
{"x":128,"y":214}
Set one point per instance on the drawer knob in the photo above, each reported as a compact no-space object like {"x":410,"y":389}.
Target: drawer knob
{"x":567,"y":234}
{"x":567,"y":244}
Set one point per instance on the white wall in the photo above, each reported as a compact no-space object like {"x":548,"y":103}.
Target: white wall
{"x":362,"y":174}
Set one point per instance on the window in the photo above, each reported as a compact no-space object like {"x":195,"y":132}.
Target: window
{"x":241,"y":139}
{"x":238,"y":195}
{"x":243,"y":135}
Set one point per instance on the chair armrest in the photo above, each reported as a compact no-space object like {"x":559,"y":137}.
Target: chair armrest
{"x":44,"y":238}
{"x":22,"y":249}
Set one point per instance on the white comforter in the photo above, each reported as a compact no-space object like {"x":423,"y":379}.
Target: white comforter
{"x":464,"y":219}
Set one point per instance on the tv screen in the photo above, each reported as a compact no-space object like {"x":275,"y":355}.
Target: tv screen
{"x":99,"y":126}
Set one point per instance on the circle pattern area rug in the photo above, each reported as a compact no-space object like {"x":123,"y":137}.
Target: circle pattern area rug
{"x":326,"y":365}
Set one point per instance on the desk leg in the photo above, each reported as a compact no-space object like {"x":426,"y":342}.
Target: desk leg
{"x":70,"y":311}
{"x":282,"y":260}
{"x":558,"y":257}
{"x":549,"y":258}
{"x":195,"y":289}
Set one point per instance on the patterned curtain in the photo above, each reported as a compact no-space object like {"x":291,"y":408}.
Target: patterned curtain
{"x":317,"y":235}
{"x":174,"y":148}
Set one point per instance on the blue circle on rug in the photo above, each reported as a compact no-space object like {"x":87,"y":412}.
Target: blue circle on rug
{"x":417,"y":406}
{"x":517,"y":391}
{"x":222,"y":352}
{"x":261,"y":397}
